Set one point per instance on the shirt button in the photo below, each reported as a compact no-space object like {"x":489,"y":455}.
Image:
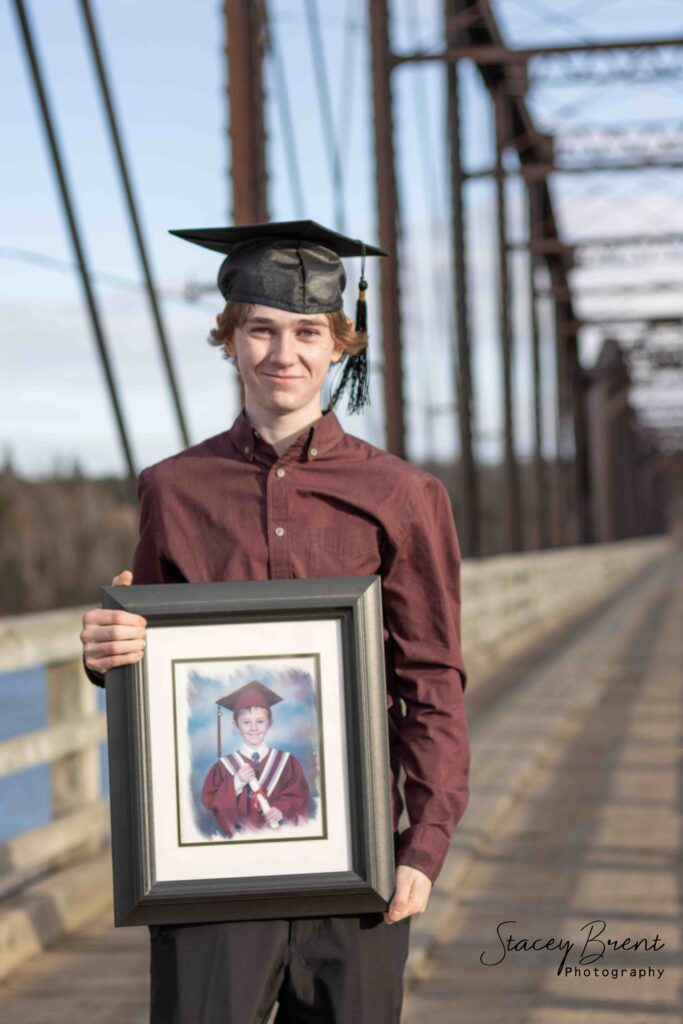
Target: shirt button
{"x":314,"y":452}
{"x":279,"y":531}
{"x":246,"y":449}
{"x":279,"y":472}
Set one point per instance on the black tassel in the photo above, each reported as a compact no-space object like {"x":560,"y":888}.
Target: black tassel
{"x":361,"y":304}
{"x":355,"y":374}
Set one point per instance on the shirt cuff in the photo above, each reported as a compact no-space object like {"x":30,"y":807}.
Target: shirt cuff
{"x":95,"y":677}
{"x":423,"y":847}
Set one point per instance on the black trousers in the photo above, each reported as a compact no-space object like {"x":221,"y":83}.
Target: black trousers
{"x":322,"y":970}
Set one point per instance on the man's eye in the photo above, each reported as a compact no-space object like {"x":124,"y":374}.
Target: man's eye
{"x":260,"y":330}
{"x":309,"y":331}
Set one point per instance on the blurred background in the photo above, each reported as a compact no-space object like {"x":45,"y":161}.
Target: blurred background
{"x":521,"y":160}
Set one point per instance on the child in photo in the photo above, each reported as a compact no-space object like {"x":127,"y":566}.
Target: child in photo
{"x":256,"y":786}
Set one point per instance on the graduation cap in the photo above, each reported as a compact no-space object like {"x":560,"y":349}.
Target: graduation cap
{"x":295,"y":266}
{"x":251,"y":695}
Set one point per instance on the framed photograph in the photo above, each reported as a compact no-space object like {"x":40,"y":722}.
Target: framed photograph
{"x":248,"y":753}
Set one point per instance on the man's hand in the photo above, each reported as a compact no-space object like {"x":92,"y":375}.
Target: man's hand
{"x":246,"y":773}
{"x":111,"y":637}
{"x":412,"y":894}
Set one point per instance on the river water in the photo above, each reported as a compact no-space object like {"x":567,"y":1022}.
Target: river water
{"x":25,"y":800}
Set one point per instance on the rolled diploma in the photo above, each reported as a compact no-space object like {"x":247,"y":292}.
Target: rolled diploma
{"x":263,"y":803}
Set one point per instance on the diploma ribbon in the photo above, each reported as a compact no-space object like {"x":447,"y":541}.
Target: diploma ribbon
{"x":259,"y":800}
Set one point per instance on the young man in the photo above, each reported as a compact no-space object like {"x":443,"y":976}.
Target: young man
{"x":286,"y":493}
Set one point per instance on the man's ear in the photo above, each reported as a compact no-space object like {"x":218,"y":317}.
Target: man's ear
{"x":337,"y":352}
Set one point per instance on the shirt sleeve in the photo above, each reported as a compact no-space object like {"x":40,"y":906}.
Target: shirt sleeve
{"x":149,"y":565}
{"x":421,"y":602}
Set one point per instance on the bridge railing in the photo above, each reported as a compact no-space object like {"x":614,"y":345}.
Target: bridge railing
{"x":69,"y":745}
{"x":510,"y":603}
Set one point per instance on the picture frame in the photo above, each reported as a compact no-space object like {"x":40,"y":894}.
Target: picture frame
{"x":182,"y":849}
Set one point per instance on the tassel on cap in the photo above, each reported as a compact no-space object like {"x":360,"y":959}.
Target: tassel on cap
{"x":355,"y":375}
{"x":361,"y":304}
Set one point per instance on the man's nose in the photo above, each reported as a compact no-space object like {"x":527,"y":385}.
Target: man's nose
{"x":282,"y":348}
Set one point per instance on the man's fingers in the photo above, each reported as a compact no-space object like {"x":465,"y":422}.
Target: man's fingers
{"x":112,"y":617}
{"x":124,"y":579}
{"x":104,"y":664}
{"x":403,"y":908}
{"x":398,"y":910}
{"x":411,"y":896}
{"x":101,"y":634}
{"x":107,"y":650}
{"x":401,"y":905}
{"x":113,"y":637}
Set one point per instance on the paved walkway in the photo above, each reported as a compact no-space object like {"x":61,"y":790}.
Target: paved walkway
{"x":97,"y":977}
{"x":596,"y":836}
{"x":588,"y":828}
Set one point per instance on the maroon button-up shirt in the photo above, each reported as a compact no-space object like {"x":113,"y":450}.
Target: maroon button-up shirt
{"x":230,"y":508}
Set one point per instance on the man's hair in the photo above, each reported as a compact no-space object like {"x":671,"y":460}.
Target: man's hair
{"x":259,"y":707}
{"x":236,"y":315}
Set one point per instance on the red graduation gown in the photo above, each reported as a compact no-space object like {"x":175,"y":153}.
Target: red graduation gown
{"x":280,"y":774}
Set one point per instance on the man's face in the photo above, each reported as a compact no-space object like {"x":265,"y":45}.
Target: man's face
{"x":253,"y":724}
{"x":283,"y":359}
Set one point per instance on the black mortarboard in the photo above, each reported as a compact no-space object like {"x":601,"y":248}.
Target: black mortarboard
{"x":295,"y":266}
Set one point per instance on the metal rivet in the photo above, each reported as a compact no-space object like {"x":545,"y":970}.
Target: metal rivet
{"x":279,"y":531}
{"x":314,"y":452}
{"x":279,"y":472}
{"x":246,"y":449}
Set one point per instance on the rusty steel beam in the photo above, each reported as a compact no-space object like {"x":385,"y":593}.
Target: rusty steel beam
{"x":540,"y":171}
{"x":549,"y":246}
{"x":470,"y":508}
{"x":540,"y":474}
{"x":246,"y":33}
{"x":499,"y":54}
{"x":566,"y":447}
{"x":388,"y":217}
{"x":607,"y":288}
{"x":513,"y":505}
{"x":665,"y":320}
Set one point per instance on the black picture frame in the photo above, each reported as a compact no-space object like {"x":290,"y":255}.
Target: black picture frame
{"x":139,"y":896}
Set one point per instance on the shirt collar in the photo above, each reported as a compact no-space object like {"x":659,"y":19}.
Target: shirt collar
{"x":312,"y":443}
{"x":249,"y":752}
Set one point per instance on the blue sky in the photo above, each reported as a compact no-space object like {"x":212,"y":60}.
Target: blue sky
{"x":166,"y":63}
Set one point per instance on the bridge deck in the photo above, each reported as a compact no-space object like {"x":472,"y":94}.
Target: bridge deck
{"x":594,"y":834}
